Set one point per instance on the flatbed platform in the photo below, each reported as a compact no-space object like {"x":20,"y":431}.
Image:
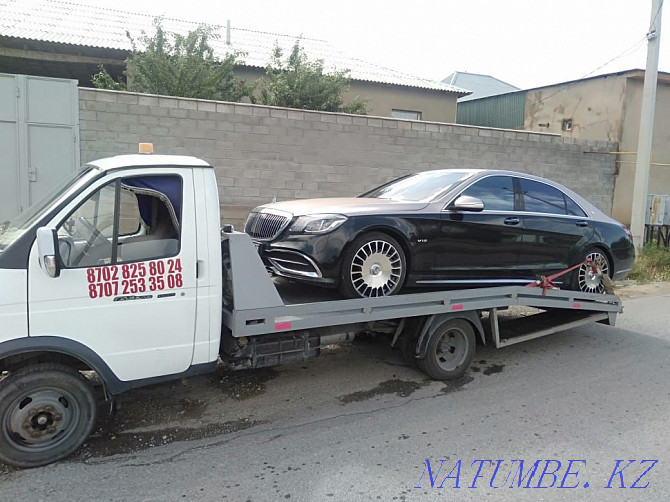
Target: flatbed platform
{"x":260,"y":305}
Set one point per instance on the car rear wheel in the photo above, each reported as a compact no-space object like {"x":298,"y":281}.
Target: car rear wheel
{"x":589,"y":277}
{"x":373,"y":265}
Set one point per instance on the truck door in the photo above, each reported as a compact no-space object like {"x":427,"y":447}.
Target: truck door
{"x":127,"y":286}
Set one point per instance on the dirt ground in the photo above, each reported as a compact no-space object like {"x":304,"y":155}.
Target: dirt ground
{"x":629,"y":289}
{"x":227,"y":401}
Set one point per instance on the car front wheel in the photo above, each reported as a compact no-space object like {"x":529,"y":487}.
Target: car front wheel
{"x":373,"y":265}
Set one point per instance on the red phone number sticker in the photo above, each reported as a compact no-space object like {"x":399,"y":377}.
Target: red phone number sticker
{"x":134,"y":278}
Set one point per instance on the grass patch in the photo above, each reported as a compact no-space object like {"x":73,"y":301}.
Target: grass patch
{"x":652,"y":265}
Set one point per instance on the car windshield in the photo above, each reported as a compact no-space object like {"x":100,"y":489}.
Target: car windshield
{"x":420,"y":187}
{"x":12,"y":230}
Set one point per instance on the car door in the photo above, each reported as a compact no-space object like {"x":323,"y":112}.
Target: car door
{"x":481,"y":247}
{"x":556,"y":229}
{"x":127,"y":285}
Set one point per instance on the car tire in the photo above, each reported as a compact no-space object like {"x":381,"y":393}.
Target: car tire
{"x":373,"y":265}
{"x":46,"y":412}
{"x":585,"y":279}
{"x":449,"y":351}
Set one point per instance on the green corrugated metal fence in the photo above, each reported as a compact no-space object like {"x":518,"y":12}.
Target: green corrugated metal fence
{"x":504,"y":111}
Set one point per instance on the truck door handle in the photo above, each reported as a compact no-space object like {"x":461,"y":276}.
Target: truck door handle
{"x":511,"y":221}
{"x":582,"y":223}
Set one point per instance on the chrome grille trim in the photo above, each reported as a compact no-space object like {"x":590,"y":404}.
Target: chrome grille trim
{"x":267,"y":224}
{"x":286,"y":266}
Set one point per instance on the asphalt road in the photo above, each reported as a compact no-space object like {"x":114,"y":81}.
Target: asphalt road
{"x":357,"y":424}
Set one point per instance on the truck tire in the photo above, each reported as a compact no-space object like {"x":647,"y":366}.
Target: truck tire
{"x":373,"y":265}
{"x":46,"y":412}
{"x":450,"y":350}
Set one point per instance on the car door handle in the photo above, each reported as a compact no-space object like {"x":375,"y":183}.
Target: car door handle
{"x":511,"y":221}
{"x":582,"y":223}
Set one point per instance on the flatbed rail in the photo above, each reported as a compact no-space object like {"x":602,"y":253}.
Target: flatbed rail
{"x":257,"y":308}
{"x":258,"y":321}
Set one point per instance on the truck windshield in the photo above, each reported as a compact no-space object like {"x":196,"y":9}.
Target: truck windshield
{"x":12,"y":230}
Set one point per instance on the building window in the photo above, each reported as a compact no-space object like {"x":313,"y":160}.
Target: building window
{"x":406,"y":114}
{"x":567,"y":125}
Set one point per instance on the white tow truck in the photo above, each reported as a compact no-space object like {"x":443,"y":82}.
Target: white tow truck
{"x":125,"y":272}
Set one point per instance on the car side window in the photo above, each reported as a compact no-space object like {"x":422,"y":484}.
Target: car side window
{"x":130,"y":219}
{"x":542,"y":198}
{"x":496,"y":192}
{"x":573,"y":208}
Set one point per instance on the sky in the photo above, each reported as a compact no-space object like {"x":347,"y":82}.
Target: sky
{"x":526,"y":43}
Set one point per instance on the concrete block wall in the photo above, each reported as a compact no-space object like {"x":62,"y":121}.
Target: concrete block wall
{"x":262,"y":152}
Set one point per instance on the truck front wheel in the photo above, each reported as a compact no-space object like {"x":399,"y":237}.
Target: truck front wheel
{"x":450,"y":350}
{"x":46,"y":412}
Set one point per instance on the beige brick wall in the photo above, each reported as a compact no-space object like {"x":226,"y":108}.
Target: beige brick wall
{"x":261,"y":152}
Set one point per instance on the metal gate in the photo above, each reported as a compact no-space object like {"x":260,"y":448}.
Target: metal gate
{"x":39,"y":138}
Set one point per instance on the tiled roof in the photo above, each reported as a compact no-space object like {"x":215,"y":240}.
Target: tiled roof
{"x":93,"y":26}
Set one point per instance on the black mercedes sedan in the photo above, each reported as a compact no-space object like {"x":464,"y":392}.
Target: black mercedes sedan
{"x":446,"y":228}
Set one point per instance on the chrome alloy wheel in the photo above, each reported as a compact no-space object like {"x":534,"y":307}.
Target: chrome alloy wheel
{"x":376,"y":269}
{"x":590,"y":280}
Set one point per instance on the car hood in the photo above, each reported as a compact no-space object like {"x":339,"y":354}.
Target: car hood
{"x":348,"y":206}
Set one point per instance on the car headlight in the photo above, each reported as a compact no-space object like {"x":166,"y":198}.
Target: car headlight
{"x":317,"y":223}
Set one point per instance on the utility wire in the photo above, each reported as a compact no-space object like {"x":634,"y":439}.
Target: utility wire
{"x":653,"y":21}
{"x":625,"y":53}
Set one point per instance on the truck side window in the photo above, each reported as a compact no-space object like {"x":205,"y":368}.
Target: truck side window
{"x":143,"y":224}
{"x":85,"y":238}
{"x":158,"y":212}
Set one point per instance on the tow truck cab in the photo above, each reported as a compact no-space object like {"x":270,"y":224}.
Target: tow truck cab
{"x":119,"y":271}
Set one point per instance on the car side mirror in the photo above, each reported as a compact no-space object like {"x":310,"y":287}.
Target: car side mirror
{"x":467,"y":203}
{"x":47,"y":247}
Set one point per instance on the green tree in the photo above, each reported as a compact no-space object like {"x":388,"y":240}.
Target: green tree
{"x":176,"y":65}
{"x":297,"y":82}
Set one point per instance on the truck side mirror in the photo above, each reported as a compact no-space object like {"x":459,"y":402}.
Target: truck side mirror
{"x":47,"y":247}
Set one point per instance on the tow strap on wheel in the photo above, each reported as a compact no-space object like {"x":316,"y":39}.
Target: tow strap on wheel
{"x":546,"y":282}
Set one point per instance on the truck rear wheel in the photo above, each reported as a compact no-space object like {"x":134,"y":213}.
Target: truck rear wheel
{"x":46,"y":412}
{"x":449,"y":351}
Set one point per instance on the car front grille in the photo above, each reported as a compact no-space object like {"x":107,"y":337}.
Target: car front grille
{"x":266,"y":225}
